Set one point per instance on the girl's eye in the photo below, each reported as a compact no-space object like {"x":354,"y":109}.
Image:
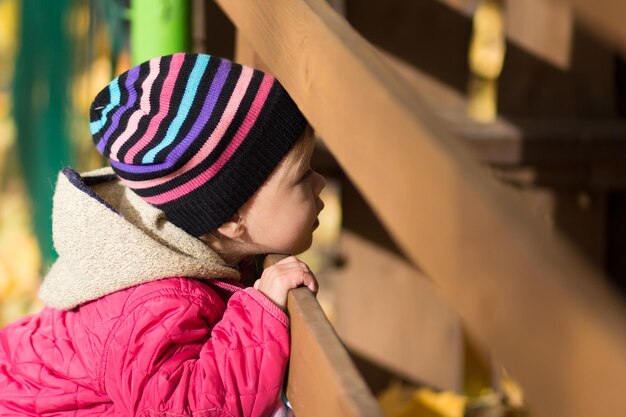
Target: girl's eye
{"x":306,"y":175}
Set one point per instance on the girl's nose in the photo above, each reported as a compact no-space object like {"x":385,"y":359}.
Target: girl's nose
{"x":319,"y":182}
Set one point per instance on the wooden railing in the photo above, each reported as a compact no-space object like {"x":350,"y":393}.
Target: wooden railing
{"x":322,"y":380}
{"x":544,"y":313}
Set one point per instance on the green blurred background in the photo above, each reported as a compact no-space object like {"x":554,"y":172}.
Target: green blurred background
{"x":54,"y":58}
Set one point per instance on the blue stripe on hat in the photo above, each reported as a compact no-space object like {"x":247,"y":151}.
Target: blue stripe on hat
{"x":183,"y":110}
{"x":114,"y":93}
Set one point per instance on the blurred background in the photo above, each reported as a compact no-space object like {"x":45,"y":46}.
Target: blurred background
{"x":537,"y":97}
{"x":54,"y":57}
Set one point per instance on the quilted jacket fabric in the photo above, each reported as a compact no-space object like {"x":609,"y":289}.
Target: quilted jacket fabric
{"x":148,"y":343}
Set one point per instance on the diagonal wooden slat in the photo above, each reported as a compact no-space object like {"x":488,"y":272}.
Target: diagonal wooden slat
{"x":605,"y":18}
{"x":526,"y":294}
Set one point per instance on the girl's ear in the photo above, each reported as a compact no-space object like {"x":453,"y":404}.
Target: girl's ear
{"x":233,"y":228}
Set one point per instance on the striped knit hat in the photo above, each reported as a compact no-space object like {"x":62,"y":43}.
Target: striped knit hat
{"x":195,"y":135}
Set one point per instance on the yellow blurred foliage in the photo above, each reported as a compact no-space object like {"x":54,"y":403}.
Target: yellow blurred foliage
{"x":486,"y":59}
{"x":8,"y":28}
{"x":19,"y":257}
{"x":401,"y":401}
{"x":19,"y":251}
{"x":488,"y":42}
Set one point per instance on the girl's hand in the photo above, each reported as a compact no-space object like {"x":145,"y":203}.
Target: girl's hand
{"x":285,"y":275}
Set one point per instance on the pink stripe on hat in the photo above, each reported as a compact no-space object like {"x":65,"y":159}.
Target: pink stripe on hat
{"x":144,"y":110}
{"x":237,"y":125}
{"x":164,"y":102}
{"x":216,"y":135}
{"x":239,"y":137}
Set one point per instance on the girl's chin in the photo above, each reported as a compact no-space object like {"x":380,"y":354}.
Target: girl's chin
{"x":304,"y":246}
{"x":292,"y":248}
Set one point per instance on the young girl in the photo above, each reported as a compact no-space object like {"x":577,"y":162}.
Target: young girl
{"x":144,"y":315}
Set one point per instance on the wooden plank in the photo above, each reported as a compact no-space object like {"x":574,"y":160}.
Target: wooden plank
{"x":578,"y":143}
{"x":387,"y":309}
{"x":545,"y":29}
{"x":245,"y":54}
{"x":389,"y":313}
{"x":434,"y":38}
{"x":546,"y":313}
{"x":322,"y":380}
{"x":542,"y":28}
{"x":602,"y":178}
{"x":605,"y":18}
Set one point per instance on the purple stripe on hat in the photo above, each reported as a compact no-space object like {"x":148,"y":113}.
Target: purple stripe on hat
{"x":203,"y":118}
{"x":133,"y":74}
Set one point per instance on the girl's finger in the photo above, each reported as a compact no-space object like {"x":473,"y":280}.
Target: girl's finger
{"x":308,"y":280}
{"x":311,"y":284}
{"x":287,"y":260}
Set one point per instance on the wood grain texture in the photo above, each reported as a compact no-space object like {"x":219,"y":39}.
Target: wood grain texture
{"x":389,"y":313}
{"x":591,"y":145}
{"x":605,"y":18}
{"x":543,"y":28}
{"x":322,"y":379}
{"x":545,"y":313}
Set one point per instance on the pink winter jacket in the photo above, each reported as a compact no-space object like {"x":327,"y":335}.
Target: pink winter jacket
{"x":148,"y":343}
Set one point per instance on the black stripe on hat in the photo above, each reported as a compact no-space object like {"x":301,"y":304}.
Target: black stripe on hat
{"x":123,"y":120}
{"x":206,"y":79}
{"x":228,"y":136}
{"x":155,"y":106}
{"x":222,"y":101}
{"x":180,"y":83}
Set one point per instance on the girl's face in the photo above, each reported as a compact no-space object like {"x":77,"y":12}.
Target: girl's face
{"x":281,"y":216}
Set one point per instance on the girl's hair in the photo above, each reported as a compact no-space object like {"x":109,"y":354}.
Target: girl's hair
{"x":297,"y":156}
{"x":301,"y":151}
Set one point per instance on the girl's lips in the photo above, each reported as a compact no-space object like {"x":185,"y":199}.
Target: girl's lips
{"x":320,"y":206}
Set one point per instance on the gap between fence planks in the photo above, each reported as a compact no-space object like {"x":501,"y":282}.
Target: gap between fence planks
{"x":322,"y":379}
{"x":546,"y":314}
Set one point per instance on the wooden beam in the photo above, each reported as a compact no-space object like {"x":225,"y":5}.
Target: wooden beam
{"x":526,"y":294}
{"x":571,"y":153}
{"x":543,"y":28}
{"x":605,"y":18}
{"x":322,"y":380}
{"x":388,"y":312}
{"x":245,"y":54}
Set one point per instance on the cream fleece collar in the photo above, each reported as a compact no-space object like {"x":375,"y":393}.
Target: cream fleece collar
{"x":109,"y":239}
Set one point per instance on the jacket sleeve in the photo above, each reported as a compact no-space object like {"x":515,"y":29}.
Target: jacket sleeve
{"x":175,"y":353}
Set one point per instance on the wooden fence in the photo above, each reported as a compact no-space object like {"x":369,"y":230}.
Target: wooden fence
{"x":544,"y":313}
